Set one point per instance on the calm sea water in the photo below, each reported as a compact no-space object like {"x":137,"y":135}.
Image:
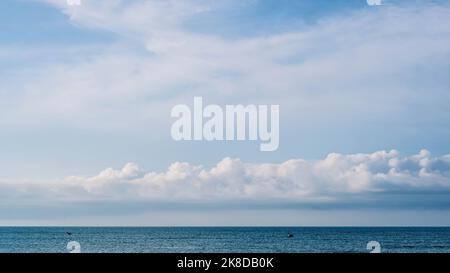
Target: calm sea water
{"x":224,"y":239}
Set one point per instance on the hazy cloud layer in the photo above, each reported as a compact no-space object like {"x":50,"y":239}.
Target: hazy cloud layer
{"x":373,"y":62}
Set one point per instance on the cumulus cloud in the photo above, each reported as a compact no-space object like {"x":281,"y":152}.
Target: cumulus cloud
{"x":331,"y":179}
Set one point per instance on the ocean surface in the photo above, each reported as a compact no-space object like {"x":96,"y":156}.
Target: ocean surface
{"x":224,"y":239}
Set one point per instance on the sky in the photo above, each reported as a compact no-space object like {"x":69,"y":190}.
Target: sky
{"x":86,"y":93}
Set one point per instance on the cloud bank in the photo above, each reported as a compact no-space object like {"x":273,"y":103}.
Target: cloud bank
{"x":333,"y":179}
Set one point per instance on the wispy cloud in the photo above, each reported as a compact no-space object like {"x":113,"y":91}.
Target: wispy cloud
{"x":337,"y":63}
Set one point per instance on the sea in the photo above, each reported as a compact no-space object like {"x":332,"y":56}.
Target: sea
{"x":223,"y":239}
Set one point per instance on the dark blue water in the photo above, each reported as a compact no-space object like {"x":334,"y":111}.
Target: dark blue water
{"x":224,"y":239}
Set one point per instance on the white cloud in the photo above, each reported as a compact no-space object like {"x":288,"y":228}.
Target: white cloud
{"x":366,"y":66}
{"x":157,"y":63}
{"x":332,"y":179}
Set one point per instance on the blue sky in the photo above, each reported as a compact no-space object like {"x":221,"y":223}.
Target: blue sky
{"x":84,"y":90}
